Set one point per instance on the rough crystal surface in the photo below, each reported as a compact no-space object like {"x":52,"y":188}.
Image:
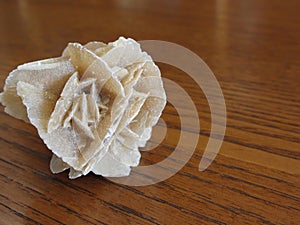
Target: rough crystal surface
{"x":93,"y":107}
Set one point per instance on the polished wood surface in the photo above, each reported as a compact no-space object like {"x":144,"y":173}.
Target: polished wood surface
{"x":252,"y":46}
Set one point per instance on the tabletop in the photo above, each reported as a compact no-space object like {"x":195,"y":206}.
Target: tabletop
{"x":253,"y":49}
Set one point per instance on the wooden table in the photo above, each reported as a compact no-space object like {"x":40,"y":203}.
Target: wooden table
{"x":253,"y":47}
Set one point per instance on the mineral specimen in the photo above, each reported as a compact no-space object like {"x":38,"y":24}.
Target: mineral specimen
{"x":93,"y":107}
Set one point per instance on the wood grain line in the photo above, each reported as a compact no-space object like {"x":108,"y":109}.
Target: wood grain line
{"x":20,"y":214}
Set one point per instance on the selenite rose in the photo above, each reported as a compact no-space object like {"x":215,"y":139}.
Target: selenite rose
{"x":93,"y":107}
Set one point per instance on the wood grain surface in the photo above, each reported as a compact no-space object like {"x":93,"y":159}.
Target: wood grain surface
{"x":252,"y":46}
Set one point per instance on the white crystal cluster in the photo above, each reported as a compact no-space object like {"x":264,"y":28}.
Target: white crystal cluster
{"x":93,"y":107}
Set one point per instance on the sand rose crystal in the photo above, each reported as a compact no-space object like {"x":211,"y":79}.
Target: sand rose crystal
{"x":93,"y":107}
